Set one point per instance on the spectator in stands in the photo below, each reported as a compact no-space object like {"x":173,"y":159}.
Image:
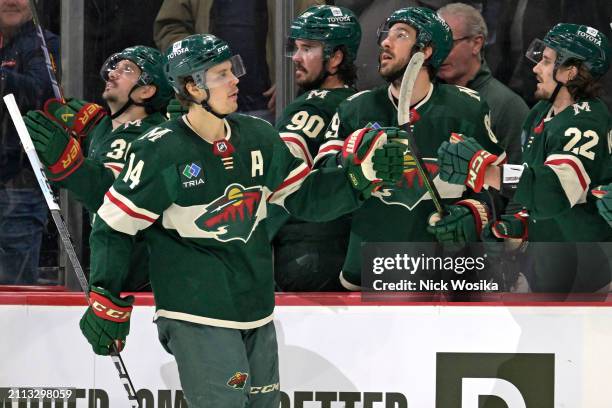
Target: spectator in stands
{"x":465,"y":66}
{"x":23,"y":212}
{"x":246,"y":25}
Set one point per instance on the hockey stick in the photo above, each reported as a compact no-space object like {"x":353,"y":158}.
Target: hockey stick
{"x":403,"y":119}
{"x":28,"y":146}
{"x":57,"y":91}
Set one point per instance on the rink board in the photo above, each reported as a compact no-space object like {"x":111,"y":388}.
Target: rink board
{"x":333,"y":352}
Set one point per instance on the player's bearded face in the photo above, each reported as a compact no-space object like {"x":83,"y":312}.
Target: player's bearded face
{"x":395,"y":51}
{"x":544,"y":71}
{"x":222,"y":88}
{"x":308,"y":63}
{"x":121,"y":80}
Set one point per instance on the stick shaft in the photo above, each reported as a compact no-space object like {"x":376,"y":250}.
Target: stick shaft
{"x":403,"y":119}
{"x":57,"y":91}
{"x":28,"y":146}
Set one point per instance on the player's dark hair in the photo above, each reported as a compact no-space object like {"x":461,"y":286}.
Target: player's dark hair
{"x":347,"y":70}
{"x":583,"y":85}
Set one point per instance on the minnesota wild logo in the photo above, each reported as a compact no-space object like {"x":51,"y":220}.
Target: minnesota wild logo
{"x":238,"y":380}
{"x":233,"y":215}
{"x":410,"y":190}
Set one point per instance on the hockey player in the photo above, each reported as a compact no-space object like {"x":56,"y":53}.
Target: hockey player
{"x":323,"y":43}
{"x":198,"y":186}
{"x":136,"y":92}
{"x":566,"y":150}
{"x":400,"y":214}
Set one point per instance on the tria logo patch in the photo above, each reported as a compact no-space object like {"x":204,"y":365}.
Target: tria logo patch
{"x":191,"y":174}
{"x":238,"y":380}
{"x":233,"y":215}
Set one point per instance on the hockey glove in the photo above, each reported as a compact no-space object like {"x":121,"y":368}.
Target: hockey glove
{"x":513,"y":226}
{"x":463,"y":223}
{"x":106,"y":321}
{"x":58,"y":151}
{"x":175,"y":110}
{"x":76,"y":116}
{"x":464,"y":161}
{"x":504,"y":244}
{"x":605,"y":203}
{"x":374,"y":158}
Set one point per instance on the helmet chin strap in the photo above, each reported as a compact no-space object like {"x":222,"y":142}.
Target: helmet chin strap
{"x":554,"y":94}
{"x":323,"y":75}
{"x":204,"y":104}
{"x":127,"y":105}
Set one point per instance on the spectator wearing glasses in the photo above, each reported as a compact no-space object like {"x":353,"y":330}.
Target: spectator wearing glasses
{"x":465,"y":66}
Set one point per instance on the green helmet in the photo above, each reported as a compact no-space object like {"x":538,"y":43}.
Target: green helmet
{"x":431,"y":30}
{"x":193,"y":56}
{"x":331,"y":25}
{"x":582,"y":43}
{"x":151,"y":64}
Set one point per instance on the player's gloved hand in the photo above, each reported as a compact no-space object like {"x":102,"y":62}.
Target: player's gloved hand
{"x":504,"y":243}
{"x":464,"y":161}
{"x":106,"y":321}
{"x":374,"y":158}
{"x":604,"y":204}
{"x":58,"y":151}
{"x":77,"y":116}
{"x":514,"y":226}
{"x":463,"y":223}
{"x":175,"y":110}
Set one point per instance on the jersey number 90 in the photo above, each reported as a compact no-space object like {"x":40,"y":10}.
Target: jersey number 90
{"x":310,"y":125}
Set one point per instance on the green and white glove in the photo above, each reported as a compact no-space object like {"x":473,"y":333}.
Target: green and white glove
{"x":58,"y":151}
{"x":604,"y":204}
{"x":77,"y":116}
{"x":374,"y":158}
{"x":106,"y":321}
{"x":464,"y":161}
{"x":175,"y":110}
{"x":463,"y":223}
{"x":513,"y":226}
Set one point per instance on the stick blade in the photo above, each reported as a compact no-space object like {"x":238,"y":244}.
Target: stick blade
{"x":408,"y":80}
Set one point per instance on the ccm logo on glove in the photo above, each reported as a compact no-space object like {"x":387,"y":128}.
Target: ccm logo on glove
{"x":106,"y":310}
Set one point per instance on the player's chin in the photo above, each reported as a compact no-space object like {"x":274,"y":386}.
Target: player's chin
{"x":231,"y":107}
{"x":540,"y":92}
{"x":301,"y":77}
{"x":445,"y":71}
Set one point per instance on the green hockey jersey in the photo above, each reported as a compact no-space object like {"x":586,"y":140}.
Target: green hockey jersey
{"x":105,"y":149}
{"x":302,"y":127}
{"x":201,"y":207}
{"x":400,"y":214}
{"x":566,"y":155}
{"x":308,"y":256}
{"x":305,"y":120}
